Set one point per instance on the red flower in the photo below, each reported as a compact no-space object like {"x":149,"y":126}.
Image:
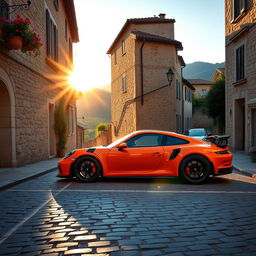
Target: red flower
{"x":17,"y":30}
{"x":27,"y":20}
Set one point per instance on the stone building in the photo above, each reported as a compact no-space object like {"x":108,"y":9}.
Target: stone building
{"x":141,"y":54}
{"x":240,"y":30}
{"x":201,"y":86}
{"x":30,"y":87}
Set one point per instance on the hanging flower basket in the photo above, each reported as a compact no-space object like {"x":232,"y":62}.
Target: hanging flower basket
{"x":14,"y":42}
{"x":17,"y":34}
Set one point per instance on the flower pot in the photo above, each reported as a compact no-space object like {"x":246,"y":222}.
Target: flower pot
{"x":14,"y":42}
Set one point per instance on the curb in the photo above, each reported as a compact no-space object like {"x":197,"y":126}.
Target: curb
{"x":245,"y":172}
{"x":10,"y":183}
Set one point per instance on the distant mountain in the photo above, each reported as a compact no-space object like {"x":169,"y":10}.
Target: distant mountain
{"x":203,"y":70}
{"x":94,"y":107}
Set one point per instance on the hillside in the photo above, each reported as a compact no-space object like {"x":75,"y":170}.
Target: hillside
{"x":203,"y":70}
{"x":94,"y":107}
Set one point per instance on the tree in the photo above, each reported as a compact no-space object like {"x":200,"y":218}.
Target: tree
{"x":215,"y":103}
{"x":101,"y":127}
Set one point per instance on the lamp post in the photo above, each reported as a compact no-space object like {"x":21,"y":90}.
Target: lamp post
{"x":170,"y":76}
{"x":14,"y":7}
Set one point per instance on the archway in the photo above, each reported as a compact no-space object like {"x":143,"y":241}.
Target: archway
{"x":5,"y":127}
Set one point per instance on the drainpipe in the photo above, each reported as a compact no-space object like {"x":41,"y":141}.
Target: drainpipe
{"x":141,"y":73}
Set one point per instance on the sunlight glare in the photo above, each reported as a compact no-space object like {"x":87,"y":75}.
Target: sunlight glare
{"x":76,"y":80}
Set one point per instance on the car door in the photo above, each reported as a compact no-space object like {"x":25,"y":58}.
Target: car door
{"x":142,"y":156}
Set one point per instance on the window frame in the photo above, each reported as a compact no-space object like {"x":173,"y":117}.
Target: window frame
{"x":52,"y":49}
{"x":237,"y":11}
{"x":123,"y":47}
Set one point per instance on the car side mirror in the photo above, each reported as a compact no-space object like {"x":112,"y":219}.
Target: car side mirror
{"x":122,"y":146}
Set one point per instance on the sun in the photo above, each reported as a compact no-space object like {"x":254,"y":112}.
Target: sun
{"x":76,"y":80}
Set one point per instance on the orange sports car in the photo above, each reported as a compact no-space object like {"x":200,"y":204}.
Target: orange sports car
{"x":151,"y":153}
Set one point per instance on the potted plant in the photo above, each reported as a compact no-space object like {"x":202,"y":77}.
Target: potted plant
{"x":17,"y":34}
{"x":60,"y":127}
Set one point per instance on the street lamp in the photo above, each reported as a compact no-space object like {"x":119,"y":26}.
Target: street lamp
{"x":12,"y":8}
{"x":170,"y":75}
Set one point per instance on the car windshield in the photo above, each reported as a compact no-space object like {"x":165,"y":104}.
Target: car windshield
{"x":197,"y":132}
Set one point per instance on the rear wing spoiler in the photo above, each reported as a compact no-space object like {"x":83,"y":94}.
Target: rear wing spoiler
{"x":220,"y":141}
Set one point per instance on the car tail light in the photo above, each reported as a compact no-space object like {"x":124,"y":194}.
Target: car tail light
{"x":223,"y":152}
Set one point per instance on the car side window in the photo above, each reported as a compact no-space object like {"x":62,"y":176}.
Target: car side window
{"x":172,"y":140}
{"x":145,"y":140}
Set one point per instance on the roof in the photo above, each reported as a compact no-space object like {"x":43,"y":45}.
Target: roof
{"x":199,"y":82}
{"x":188,"y":84}
{"x":181,"y":61}
{"x":143,"y":36}
{"x":71,"y":15}
{"x":146,"y":20}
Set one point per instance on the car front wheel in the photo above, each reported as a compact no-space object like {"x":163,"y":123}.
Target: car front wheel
{"x":87,"y":169}
{"x":195,"y":169}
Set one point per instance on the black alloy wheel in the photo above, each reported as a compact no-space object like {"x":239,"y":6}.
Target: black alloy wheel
{"x":87,"y":169}
{"x":195,"y":169}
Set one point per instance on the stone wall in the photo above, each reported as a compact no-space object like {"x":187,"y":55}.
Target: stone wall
{"x":244,"y":90}
{"x":34,"y":84}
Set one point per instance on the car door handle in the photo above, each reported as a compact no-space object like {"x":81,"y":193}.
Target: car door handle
{"x":156,"y":154}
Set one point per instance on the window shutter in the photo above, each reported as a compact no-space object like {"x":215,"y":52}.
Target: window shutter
{"x":48,"y":34}
{"x":55,"y":43}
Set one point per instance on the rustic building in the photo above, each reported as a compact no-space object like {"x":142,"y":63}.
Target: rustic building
{"x":240,"y":30}
{"x":141,"y":55}
{"x":30,"y":88}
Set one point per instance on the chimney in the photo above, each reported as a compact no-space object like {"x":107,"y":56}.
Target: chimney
{"x":162,"y":15}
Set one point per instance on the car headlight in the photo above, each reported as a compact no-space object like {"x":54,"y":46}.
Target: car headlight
{"x":70,"y":154}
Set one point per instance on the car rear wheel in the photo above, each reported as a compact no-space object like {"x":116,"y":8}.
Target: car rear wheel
{"x":87,"y":169}
{"x":195,"y":169}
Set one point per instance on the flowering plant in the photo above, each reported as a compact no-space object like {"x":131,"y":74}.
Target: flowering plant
{"x":20,"y":27}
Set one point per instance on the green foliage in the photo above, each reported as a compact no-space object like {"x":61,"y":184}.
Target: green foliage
{"x":199,"y":103}
{"x":215,"y":103}
{"x":101,"y":127}
{"x":60,"y":125}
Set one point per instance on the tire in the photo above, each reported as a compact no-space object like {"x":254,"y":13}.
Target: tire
{"x":87,"y":169}
{"x":195,"y":169}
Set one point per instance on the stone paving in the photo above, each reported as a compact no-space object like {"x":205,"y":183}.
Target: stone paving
{"x":129,"y":217}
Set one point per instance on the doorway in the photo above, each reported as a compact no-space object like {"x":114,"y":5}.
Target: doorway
{"x":240,"y":124}
{"x":5,"y":127}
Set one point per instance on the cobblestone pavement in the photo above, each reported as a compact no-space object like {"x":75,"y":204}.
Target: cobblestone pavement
{"x":50,"y":216}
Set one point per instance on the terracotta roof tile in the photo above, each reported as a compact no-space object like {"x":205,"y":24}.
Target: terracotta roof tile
{"x":155,"y":38}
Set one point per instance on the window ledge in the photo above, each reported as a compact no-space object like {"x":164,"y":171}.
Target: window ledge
{"x":51,"y":63}
{"x":240,"y":82}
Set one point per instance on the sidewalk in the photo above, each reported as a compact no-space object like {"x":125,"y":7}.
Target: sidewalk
{"x":11,"y":176}
{"x":242,"y":163}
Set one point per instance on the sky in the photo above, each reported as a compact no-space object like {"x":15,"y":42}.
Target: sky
{"x":199,"y":26}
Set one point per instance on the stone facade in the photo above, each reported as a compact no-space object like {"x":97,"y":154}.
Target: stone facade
{"x":240,"y":74}
{"x":32,"y":85}
{"x":141,"y":96}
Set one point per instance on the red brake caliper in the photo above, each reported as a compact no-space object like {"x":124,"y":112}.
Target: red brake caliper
{"x":93,"y":167}
{"x":188,"y":171}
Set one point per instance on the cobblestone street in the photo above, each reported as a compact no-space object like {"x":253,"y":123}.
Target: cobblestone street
{"x":50,"y":216}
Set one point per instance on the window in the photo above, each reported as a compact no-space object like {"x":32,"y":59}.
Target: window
{"x":240,"y":63}
{"x":51,"y":37}
{"x":171,"y":140}
{"x":178,"y":93}
{"x":56,"y":4}
{"x":124,"y":89}
{"x":238,"y":7}
{"x":203,"y":92}
{"x":4,"y":10}
{"x":145,"y":140}
{"x":123,"y":48}
{"x":66,"y":30}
